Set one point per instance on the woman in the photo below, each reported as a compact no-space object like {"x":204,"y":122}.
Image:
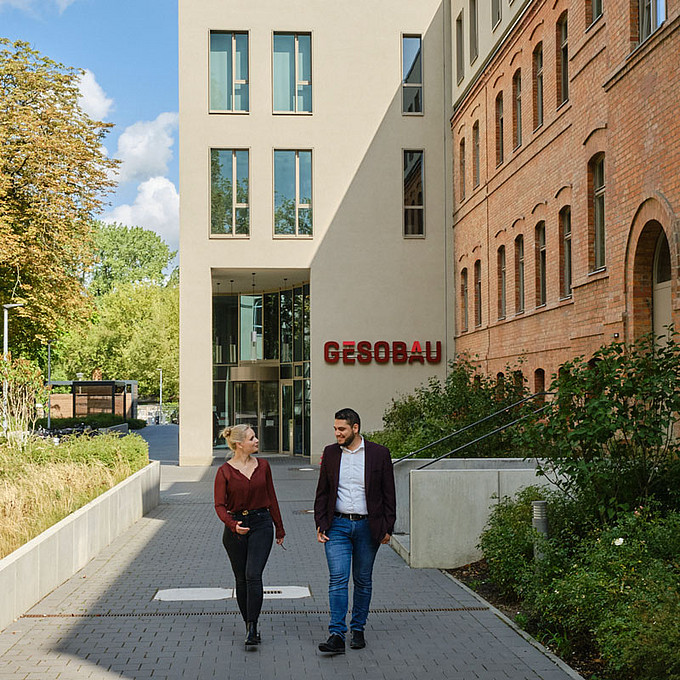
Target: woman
{"x":245,"y":501}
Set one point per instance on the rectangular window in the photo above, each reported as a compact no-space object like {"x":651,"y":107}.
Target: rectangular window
{"x":229,"y":191}
{"x":411,"y":74}
{"x":652,"y":13}
{"x":540,"y":264}
{"x":517,"y":107}
{"x":460,"y":59}
{"x":519,"y":274}
{"x":478,"y":293}
{"x":598,"y":213}
{"x":461,"y":168}
{"x":499,"y":128}
{"x":475,"y":153}
{"x":414,"y":205}
{"x":474,"y":34}
{"x":495,"y":13}
{"x":501,"y":283}
{"x":292,"y":70}
{"x":565,"y":255}
{"x":464,"y":299}
{"x":292,"y":193}
{"x":538,"y":86}
{"x":562,"y":60}
{"x":229,"y":72}
{"x":596,"y":10}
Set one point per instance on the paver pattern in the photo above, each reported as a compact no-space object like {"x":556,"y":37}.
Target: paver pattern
{"x":104,"y":623}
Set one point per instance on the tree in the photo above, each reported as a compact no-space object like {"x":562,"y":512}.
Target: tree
{"x":134,"y":333}
{"x":127,"y":255}
{"x":53,"y":176}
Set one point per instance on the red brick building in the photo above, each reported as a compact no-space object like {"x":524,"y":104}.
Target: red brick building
{"x":567,"y":185}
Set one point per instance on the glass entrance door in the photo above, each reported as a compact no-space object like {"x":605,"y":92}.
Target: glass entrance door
{"x":287,"y":419}
{"x":256,"y":404}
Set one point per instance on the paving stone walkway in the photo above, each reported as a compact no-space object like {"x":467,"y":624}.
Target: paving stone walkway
{"x":105,"y":623}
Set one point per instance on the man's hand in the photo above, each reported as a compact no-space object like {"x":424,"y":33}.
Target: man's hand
{"x":386,"y":539}
{"x":241,"y":530}
{"x":320,"y":536}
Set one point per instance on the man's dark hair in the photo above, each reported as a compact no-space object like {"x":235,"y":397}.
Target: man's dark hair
{"x":350,"y":415}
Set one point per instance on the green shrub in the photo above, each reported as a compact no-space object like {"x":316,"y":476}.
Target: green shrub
{"x":94,"y":421}
{"x":437,"y":409}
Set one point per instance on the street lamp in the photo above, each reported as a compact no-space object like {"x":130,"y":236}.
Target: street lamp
{"x":5,"y":352}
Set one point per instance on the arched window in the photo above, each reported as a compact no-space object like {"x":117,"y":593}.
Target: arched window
{"x":517,"y":107}
{"x":499,"y":128}
{"x":596,"y":213}
{"x":565,"y":252}
{"x":478,"y":293}
{"x":538,"y":85}
{"x":475,"y":153}
{"x":562,"y":59}
{"x":461,"y":167}
{"x":519,"y":274}
{"x":502,"y":279}
{"x":541,"y":262}
{"x":464,"y":308}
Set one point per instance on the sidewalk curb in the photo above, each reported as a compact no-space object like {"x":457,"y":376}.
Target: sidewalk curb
{"x":533,"y":642}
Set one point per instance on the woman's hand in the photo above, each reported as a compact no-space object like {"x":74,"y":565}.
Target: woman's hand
{"x":241,"y":530}
{"x":279,"y":541}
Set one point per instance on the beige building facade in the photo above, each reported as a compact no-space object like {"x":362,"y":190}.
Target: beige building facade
{"x":315,"y":238}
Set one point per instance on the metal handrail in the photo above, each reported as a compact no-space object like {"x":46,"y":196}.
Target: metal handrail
{"x":484,"y":436}
{"x":468,"y":427}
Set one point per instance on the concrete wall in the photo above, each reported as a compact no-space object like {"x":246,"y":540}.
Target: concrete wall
{"x":42,"y":564}
{"x":449,"y":509}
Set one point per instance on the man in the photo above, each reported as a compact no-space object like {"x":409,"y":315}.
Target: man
{"x":354,"y":511}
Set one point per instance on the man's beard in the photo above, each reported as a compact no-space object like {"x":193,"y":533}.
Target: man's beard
{"x":350,"y":439}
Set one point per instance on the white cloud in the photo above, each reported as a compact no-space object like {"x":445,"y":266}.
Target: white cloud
{"x":63,"y":4}
{"x":146,"y":148}
{"x":93,"y":99}
{"x":156,"y":207}
{"x":30,"y":5}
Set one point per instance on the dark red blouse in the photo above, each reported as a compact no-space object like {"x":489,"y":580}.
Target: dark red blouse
{"x":234,"y":492}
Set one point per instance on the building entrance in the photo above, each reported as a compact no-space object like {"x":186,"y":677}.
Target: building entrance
{"x":257,"y":404}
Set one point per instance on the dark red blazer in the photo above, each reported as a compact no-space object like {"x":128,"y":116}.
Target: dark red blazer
{"x":380,"y":495}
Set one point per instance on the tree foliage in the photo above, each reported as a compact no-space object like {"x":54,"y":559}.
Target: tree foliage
{"x":53,"y":175}
{"x":610,"y":436}
{"x":127,"y":255}
{"x":134,"y":333}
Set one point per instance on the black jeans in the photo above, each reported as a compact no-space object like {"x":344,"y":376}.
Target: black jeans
{"x":248,"y":555}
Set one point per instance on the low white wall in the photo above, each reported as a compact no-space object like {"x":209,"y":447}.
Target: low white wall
{"x":450,"y":508}
{"x":42,"y":564}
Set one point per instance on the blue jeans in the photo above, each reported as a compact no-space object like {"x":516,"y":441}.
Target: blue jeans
{"x":349,"y":544}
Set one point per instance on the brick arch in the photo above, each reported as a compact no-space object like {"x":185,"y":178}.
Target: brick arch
{"x":651,"y":219}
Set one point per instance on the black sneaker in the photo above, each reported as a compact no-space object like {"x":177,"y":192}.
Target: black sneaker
{"x":334,"y":645}
{"x":357,"y":639}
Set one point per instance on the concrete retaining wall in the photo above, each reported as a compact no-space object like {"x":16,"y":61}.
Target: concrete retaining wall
{"x":42,"y":564}
{"x":442,"y":510}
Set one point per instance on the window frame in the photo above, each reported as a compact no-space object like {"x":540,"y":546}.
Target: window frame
{"x":461,"y":169}
{"x":478,"y":293}
{"x":538,"y":93}
{"x":496,"y":13}
{"x":562,"y":59}
{"x":517,"y":108}
{"x":420,"y":206}
{"x":234,"y":80}
{"x":650,"y":9}
{"x":520,"y":288}
{"x":298,"y":204}
{"x":476,"y":174}
{"x":566,"y":271}
{"x":500,"y":122}
{"x":460,"y":48}
{"x":420,"y":85}
{"x":474,"y":30}
{"x":235,"y":205}
{"x":598,"y":214}
{"x":501,"y":266}
{"x":464,"y":295}
{"x":297,"y":81}
{"x":540,"y":237}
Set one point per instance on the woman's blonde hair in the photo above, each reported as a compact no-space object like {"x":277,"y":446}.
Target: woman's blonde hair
{"x":234,"y":434}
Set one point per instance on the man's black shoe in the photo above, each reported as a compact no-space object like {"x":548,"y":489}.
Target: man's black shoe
{"x":334,"y":645}
{"x":357,"y":640}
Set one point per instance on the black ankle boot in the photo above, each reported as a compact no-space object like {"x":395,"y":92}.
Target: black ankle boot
{"x":252,"y":638}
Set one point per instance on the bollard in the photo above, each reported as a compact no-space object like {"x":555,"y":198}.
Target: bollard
{"x":539,"y":521}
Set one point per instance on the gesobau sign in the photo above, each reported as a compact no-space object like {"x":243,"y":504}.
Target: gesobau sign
{"x":382,"y":352}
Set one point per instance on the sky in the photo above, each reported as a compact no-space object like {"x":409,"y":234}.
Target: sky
{"x":128,"y":50}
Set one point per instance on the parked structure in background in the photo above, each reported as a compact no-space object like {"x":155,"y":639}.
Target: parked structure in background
{"x":368,"y":189}
{"x":79,"y":398}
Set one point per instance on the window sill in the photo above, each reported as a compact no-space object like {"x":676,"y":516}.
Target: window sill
{"x":598,"y":271}
{"x":594,"y":22}
{"x":413,"y":114}
{"x":218,"y":112}
{"x":563,"y":104}
{"x":543,"y":305}
{"x":293,"y":237}
{"x":229,"y":237}
{"x":292,"y":113}
{"x":566,"y":299}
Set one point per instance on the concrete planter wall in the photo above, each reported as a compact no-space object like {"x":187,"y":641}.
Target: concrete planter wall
{"x":442,"y":510}
{"x":42,"y":564}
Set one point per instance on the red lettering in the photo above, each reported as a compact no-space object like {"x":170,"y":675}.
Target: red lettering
{"x":416,"y":354}
{"x":399,"y":355}
{"x":364,"y":352}
{"x":437,"y":357}
{"x":381,"y":352}
{"x":331,"y":353}
{"x":348,"y":353}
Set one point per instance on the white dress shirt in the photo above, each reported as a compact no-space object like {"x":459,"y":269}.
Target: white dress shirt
{"x":352,"y":482}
